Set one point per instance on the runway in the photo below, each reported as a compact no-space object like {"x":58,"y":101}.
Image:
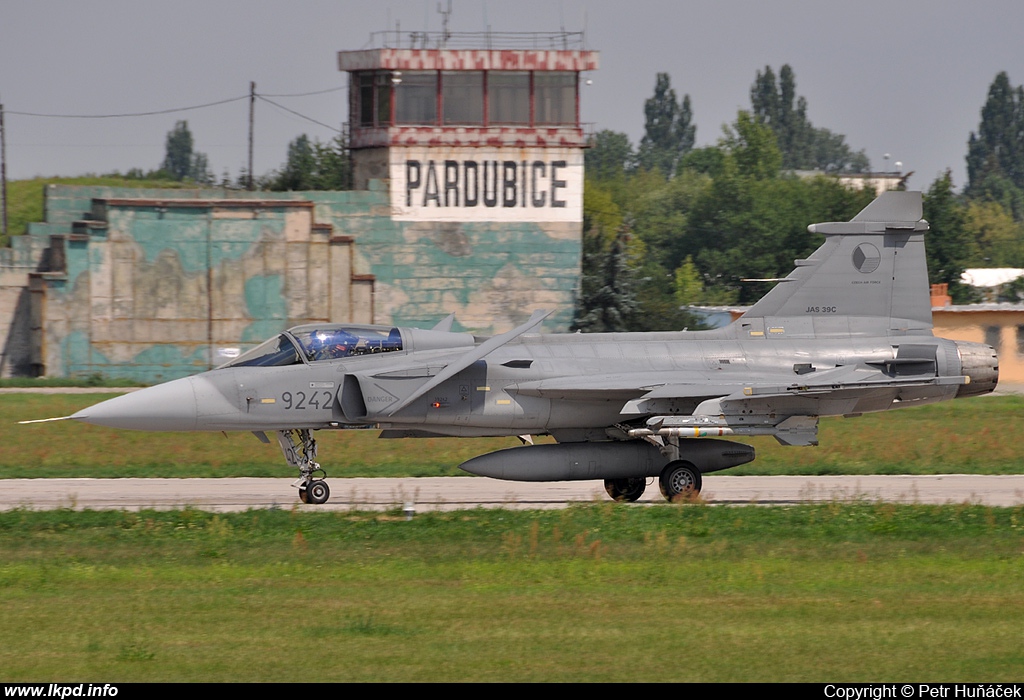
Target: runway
{"x":455,"y":493}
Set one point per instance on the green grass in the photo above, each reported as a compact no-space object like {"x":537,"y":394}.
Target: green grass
{"x":973,"y":436}
{"x":25,"y":197}
{"x":604,"y":592}
{"x":91,"y":381}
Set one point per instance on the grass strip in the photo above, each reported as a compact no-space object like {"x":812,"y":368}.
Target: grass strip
{"x":605,"y":592}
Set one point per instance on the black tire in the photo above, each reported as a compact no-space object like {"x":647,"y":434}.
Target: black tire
{"x":680,"y":481}
{"x":317,"y":492}
{"x":628,"y":490}
{"x":302,"y":494}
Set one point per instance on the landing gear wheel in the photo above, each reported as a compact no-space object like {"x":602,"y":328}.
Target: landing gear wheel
{"x":625,"y":489}
{"x":680,"y":481}
{"x":316,"y":491}
{"x":299,"y":450}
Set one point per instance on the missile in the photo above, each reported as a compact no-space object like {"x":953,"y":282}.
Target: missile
{"x":695,"y":431}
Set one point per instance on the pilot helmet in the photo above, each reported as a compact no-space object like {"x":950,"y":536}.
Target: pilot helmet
{"x":332,"y":343}
{"x":318,"y":340}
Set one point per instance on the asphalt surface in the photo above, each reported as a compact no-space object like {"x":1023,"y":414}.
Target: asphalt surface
{"x":454,"y":493}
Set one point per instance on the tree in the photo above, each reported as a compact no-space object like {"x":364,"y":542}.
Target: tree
{"x":610,"y":155}
{"x":996,"y":187}
{"x":685,"y":131}
{"x":602,"y":217}
{"x":669,"y":133}
{"x":313,"y":166}
{"x":996,"y":151}
{"x":752,"y":148}
{"x":998,"y":239}
{"x":708,"y":161}
{"x":299,"y":168}
{"x":773,"y":106}
{"x":751,"y":224}
{"x":333,"y":165}
{"x":950,"y":247}
{"x":689,"y":285}
{"x":830,"y":154}
{"x":607,"y":300}
{"x":803,"y":146}
{"x":199,"y":171}
{"x":179,"y":160}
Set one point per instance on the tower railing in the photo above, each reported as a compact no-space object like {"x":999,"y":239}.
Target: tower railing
{"x":397,"y":39}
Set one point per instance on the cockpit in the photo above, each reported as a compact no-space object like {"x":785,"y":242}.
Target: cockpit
{"x":320,"y":342}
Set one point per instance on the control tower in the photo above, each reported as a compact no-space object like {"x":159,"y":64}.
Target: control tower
{"x":471,"y":134}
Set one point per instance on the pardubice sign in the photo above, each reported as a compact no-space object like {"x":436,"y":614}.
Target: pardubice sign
{"x":486,"y":184}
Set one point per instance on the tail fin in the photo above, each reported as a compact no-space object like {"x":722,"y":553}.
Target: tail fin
{"x":870,"y":277}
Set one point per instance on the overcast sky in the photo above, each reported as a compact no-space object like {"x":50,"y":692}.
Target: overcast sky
{"x":902,"y":77}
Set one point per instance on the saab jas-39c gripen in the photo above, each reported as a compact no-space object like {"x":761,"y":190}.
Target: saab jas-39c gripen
{"x":849,"y":331}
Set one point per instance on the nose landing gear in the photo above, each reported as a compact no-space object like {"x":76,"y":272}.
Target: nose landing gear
{"x":299,"y":449}
{"x":316,"y":492}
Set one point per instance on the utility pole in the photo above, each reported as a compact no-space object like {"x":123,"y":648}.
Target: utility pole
{"x":3,"y":172}
{"x":252,"y":118}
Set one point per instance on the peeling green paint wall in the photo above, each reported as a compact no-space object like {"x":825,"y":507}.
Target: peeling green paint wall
{"x":492,"y":275}
{"x":158,"y":284}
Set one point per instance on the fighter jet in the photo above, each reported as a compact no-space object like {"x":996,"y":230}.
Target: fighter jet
{"x":849,"y":331}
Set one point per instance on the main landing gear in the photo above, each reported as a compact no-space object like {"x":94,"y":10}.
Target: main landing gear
{"x":679,"y":482}
{"x":299,"y":448}
{"x":628,"y":490}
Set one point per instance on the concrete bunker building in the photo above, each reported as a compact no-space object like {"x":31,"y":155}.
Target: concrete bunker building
{"x":467,"y":197}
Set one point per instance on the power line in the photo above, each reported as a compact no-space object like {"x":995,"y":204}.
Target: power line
{"x":306,"y":94}
{"x":132,"y":114}
{"x":251,"y":97}
{"x":184,"y":109}
{"x":303,"y":116}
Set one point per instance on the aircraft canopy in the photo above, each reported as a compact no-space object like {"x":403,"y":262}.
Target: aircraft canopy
{"x":318,"y":342}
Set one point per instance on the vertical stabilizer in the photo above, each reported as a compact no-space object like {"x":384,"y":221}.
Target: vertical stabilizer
{"x":869,"y":277}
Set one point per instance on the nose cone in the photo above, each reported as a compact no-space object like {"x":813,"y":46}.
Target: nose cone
{"x":170,"y":406}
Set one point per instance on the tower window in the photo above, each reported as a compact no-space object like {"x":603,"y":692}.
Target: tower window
{"x":371,"y":98}
{"x":554,"y":95}
{"x":463,"y":97}
{"x":366,"y":99}
{"x":508,"y":97}
{"x":416,"y":98}
{"x":471,"y":98}
{"x":383,"y":97}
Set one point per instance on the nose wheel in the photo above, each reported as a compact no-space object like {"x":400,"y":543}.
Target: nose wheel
{"x":299,"y":449}
{"x":316,"y":492}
